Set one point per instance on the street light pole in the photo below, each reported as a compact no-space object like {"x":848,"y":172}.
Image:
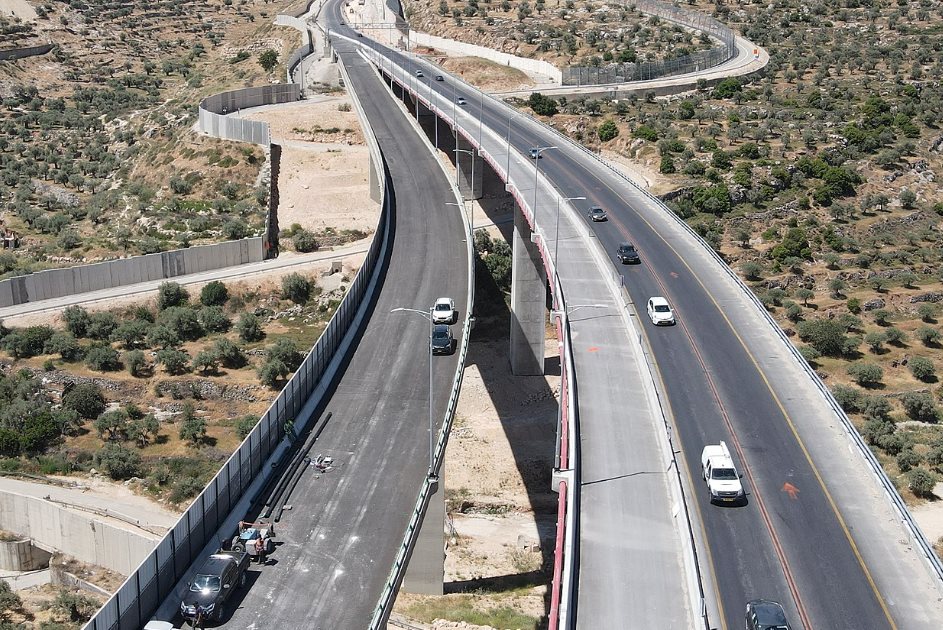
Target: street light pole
{"x":430,"y":473}
{"x":537,"y":152}
{"x":556,"y":232}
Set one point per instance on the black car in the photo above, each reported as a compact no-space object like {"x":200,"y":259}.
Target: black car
{"x":598,"y":214}
{"x":765,"y":614}
{"x":213,"y":585}
{"x":442,"y":342}
{"x":439,"y":77}
{"x":628,"y":254}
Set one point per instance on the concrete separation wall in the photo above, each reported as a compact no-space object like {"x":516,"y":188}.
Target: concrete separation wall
{"x":29,"y":51}
{"x":530,"y":66}
{"x":55,"y":283}
{"x":214,"y":109}
{"x":83,"y":537}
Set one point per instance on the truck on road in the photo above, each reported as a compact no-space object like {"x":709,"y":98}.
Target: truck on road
{"x":213,"y":585}
{"x":718,"y":470}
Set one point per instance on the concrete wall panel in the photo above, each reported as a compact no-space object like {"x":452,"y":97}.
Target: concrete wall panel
{"x":6,"y":294}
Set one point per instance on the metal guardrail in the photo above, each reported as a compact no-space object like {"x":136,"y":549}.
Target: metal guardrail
{"x":648,"y":70}
{"x":155,"y":579}
{"x":890,"y":490}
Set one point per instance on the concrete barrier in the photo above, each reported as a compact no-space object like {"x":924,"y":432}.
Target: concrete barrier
{"x":55,"y":283}
{"x":530,"y":66}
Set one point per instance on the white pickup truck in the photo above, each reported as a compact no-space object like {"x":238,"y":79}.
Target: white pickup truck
{"x":721,"y":475}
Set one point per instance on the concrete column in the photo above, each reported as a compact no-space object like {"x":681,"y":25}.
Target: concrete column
{"x":528,"y":302}
{"x":425,"y":574}
{"x":471,"y":169}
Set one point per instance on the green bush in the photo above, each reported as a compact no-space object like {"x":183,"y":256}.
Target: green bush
{"x":114,"y":423}
{"x":229,"y":354}
{"x":921,"y":482}
{"x":119,"y":462}
{"x":136,"y":363}
{"x":160,"y":336}
{"x":143,"y":430}
{"x":851,"y":399}
{"x":235,"y":229}
{"x":131,"y":334}
{"x":542,"y":105}
{"x":928,"y":336}
{"x":86,"y":399}
{"x":192,"y":426}
{"x":23,"y":343}
{"x":249,"y":328}
{"x":102,"y":358}
{"x":183,"y":321}
{"x":101,"y":325}
{"x":65,"y":345}
{"x":895,"y":336}
{"x":305,"y":241}
{"x":865,"y":374}
{"x":174,"y":361}
{"x":76,"y":320}
{"x":919,"y":406}
{"x":825,"y":335}
{"x":271,"y":372}
{"x":296,"y":287}
{"x":245,"y":424}
{"x":214,"y":293}
{"x":922,"y":368}
{"x":607,"y":131}
{"x":206,"y":361}
{"x":171,"y":294}
{"x":214,"y":319}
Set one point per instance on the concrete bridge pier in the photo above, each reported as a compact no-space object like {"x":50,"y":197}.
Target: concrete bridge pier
{"x":471,"y":169}
{"x":425,"y":573}
{"x":528,"y":302}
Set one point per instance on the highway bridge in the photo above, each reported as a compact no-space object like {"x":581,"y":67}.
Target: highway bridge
{"x":821,"y":531}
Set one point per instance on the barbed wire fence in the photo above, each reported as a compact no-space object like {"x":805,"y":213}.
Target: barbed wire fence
{"x":644,"y":71}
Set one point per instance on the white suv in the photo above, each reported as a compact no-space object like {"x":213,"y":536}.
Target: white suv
{"x":444,"y":311}
{"x":659,"y":312}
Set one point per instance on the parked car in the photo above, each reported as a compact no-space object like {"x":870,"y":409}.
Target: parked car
{"x":628,"y":254}
{"x":212,"y":586}
{"x":444,"y":311}
{"x":659,"y":312}
{"x":597,"y":214}
{"x":439,"y":77}
{"x":461,"y":101}
{"x":765,"y":614}
{"x":442,"y":342}
{"x":535,"y":154}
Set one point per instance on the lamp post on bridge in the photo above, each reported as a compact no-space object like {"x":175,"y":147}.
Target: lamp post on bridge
{"x":537,"y":151}
{"x":428,"y":315}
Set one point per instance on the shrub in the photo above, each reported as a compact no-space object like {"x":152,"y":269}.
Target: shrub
{"x":825,"y":335}
{"x":75,"y":606}
{"x":65,"y":345}
{"x":119,"y":462}
{"x":131,"y":334}
{"x":214,"y":293}
{"x":927,"y":311}
{"x":235,"y":229}
{"x":114,"y":423}
{"x":851,"y":399}
{"x":876,"y":430}
{"x":192,"y":426}
{"x":296,"y":288}
{"x":271,"y":372}
{"x":864,"y":373}
{"x":86,"y":399}
{"x":877,"y":408}
{"x":542,"y":105}
{"x":793,"y":312}
{"x":214,"y":319}
{"x":305,"y":241}
{"x":27,"y":342}
{"x":229,"y":354}
{"x":875,"y":340}
{"x":101,"y":325}
{"x":922,"y":368}
{"x":908,"y":459}
{"x":249,"y":328}
{"x":921,"y":482}
{"x":102,"y":358}
{"x":76,"y":320}
{"x":607,"y":131}
{"x":142,"y":430}
{"x":895,"y":336}
{"x":286,"y":351}
{"x":136,"y":363}
{"x":174,"y":361}
{"x":245,"y":424}
{"x":186,"y":488}
{"x":171,"y":294}
{"x":183,"y":321}
{"x":751,"y":270}
{"x":206,"y":361}
{"x":919,"y":406}
{"x":928,"y":335}
{"x":161,"y":336}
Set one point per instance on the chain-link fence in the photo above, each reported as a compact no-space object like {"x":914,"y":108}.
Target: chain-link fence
{"x":644,"y":71}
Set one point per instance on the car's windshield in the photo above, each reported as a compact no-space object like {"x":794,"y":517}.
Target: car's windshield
{"x":440,"y":334}
{"x":443,"y":307}
{"x":724,"y":473}
{"x":205,"y":583}
{"x":662,"y":308}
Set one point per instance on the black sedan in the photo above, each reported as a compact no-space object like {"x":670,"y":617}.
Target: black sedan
{"x":442,"y":342}
{"x":628,"y":254}
{"x":598,"y":214}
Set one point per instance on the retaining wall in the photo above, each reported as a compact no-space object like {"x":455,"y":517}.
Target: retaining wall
{"x":530,"y":66}
{"x":83,"y":537}
{"x":28,"y":51}
{"x":54,"y":283}
{"x":214,"y":109}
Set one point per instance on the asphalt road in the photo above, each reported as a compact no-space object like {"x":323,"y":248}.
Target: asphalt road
{"x":338,"y":542}
{"x":803,"y":553}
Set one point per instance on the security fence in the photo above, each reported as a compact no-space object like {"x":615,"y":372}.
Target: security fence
{"x":215,"y":122}
{"x":644,"y":71}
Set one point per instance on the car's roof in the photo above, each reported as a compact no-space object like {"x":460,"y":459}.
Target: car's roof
{"x":441,"y":328}
{"x":215,"y":564}
{"x":595,"y":208}
{"x":626,"y":246}
{"x":443,"y":300}
{"x":769,"y":612}
{"x":657,"y":300}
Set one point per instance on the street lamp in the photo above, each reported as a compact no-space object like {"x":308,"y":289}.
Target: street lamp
{"x":430,"y":474}
{"x":556,"y":232}
{"x":470,"y":152}
{"x":537,"y":151}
